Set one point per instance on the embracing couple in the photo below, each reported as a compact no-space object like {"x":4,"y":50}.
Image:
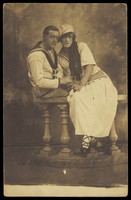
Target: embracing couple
{"x":92,"y":96}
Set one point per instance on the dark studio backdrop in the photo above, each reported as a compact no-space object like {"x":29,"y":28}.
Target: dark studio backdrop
{"x":102,"y":26}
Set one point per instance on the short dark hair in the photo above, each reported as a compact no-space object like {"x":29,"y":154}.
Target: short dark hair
{"x":48,"y":28}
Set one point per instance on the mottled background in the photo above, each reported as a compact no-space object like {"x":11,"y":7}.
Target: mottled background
{"x":102,"y":26}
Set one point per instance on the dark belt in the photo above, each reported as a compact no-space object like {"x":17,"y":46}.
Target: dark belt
{"x":98,"y":75}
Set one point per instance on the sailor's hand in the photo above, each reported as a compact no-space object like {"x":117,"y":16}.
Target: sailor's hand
{"x":65,"y":80}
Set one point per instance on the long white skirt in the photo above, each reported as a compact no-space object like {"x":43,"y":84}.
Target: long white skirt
{"x":93,"y":108}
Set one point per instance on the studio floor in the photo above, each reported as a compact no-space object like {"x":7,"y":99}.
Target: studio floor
{"x":20,"y":170}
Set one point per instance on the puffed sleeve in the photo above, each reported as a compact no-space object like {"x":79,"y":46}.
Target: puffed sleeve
{"x":35,"y":62}
{"x":85,"y":54}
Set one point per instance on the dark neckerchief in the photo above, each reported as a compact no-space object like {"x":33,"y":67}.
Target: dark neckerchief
{"x":37,"y":47}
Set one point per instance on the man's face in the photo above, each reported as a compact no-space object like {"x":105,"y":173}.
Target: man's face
{"x":51,"y":39}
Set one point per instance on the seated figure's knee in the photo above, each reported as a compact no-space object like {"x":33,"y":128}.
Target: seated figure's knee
{"x":77,"y":96}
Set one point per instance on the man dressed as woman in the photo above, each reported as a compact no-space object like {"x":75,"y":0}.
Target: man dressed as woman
{"x":92,"y":97}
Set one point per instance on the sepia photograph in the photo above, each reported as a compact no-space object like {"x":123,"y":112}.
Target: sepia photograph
{"x":65,"y":100}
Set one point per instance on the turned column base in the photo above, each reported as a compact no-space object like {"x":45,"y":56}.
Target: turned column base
{"x":113,"y":137}
{"x":113,"y":151}
{"x":65,"y":153}
{"x":46,"y":151}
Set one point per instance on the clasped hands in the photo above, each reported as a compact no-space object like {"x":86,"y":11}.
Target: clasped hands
{"x":75,"y":85}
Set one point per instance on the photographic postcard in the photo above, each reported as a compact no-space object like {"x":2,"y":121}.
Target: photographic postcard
{"x":41,"y":148}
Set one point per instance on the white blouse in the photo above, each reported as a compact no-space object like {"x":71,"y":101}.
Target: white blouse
{"x":85,"y":56}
